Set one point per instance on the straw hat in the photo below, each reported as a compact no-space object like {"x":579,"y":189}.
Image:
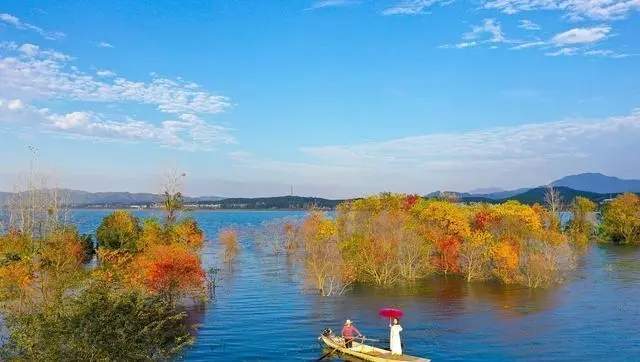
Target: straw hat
{"x":347,"y":322}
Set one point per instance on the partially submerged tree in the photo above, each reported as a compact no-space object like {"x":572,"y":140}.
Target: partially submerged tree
{"x":621,"y":219}
{"x":582,"y":224}
{"x":229,"y":240}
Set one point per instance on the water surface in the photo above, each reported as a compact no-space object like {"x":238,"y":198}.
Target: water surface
{"x":261,"y":311}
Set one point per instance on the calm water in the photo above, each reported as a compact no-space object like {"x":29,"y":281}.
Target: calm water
{"x":262,"y":313}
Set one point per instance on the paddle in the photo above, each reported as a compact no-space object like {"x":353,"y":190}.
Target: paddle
{"x":327,"y":354}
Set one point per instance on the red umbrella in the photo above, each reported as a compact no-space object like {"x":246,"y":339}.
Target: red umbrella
{"x":391,"y":313}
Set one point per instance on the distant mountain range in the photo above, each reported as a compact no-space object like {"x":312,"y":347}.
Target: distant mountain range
{"x":594,"y":186}
{"x":84,"y":198}
{"x":597,"y":182}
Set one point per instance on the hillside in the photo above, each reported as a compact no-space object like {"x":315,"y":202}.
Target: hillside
{"x":597,"y":182}
{"x":278,"y":202}
{"x":536,"y":195}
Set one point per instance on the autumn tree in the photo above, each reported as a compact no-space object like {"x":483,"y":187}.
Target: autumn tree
{"x":325,"y":270}
{"x":446,"y":225}
{"x":229,"y":240}
{"x":581,"y":226}
{"x":621,"y":219}
{"x":188,"y":232}
{"x":119,"y":230}
{"x":171,"y":271}
{"x":475,"y":255}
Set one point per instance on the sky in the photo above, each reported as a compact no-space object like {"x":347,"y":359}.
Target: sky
{"x":332,"y":98}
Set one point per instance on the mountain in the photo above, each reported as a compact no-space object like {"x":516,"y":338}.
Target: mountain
{"x":597,"y":182}
{"x":536,"y":195}
{"x":84,"y":198}
{"x":505,"y":194}
{"x":486,"y":190}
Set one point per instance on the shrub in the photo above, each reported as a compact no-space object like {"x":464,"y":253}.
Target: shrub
{"x":98,"y":324}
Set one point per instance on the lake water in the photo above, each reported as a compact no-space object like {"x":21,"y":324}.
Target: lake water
{"x":262,"y":313}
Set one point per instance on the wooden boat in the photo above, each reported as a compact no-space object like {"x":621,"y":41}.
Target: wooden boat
{"x":363,"y":351}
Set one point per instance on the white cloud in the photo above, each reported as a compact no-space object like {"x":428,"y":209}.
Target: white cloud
{"x":19,"y":24}
{"x":528,"y":25}
{"x":37,"y":74}
{"x":187,"y":131}
{"x":522,"y":154}
{"x":581,"y":36}
{"x":606,"y":53}
{"x":29,"y":49}
{"x":15,"y":104}
{"x":321,"y":4}
{"x":531,"y":44}
{"x":466,"y":44}
{"x":104,"y":44}
{"x":574,"y":9}
{"x":489,"y":31}
{"x":489,"y":27}
{"x":563,"y":52}
{"x":105,"y":73}
{"x":413,"y":7}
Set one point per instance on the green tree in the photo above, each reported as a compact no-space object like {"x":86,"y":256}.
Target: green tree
{"x":119,"y":230}
{"x":100,"y":323}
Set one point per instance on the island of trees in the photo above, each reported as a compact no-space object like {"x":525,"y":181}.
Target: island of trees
{"x":388,"y":239}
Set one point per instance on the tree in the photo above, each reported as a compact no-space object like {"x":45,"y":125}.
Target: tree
{"x":170,"y":271}
{"x":505,"y":262}
{"x":173,"y":201}
{"x":445,"y":225}
{"x":475,"y":255}
{"x":553,"y":201}
{"x":229,"y":241}
{"x":581,"y":227}
{"x":98,"y":323}
{"x":621,"y":219}
{"x":188,"y":232}
{"x":35,"y":208}
{"x":324,"y":268}
{"x":119,"y":230}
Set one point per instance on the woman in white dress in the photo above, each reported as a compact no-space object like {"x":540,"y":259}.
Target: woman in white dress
{"x":394,"y":338}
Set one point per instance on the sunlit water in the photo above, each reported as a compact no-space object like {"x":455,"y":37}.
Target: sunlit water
{"x":261,"y":311}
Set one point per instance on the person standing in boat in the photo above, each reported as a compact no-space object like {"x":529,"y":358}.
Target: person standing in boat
{"x":394,"y":338}
{"x":349,"y":332}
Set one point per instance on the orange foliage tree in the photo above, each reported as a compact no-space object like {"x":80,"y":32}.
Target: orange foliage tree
{"x":171,"y":271}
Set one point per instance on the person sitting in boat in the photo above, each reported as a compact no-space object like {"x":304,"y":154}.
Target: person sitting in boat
{"x":349,"y":332}
{"x":394,"y":338}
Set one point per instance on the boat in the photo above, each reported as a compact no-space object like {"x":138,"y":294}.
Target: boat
{"x":363,"y":351}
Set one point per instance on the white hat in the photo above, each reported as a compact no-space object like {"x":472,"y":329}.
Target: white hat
{"x":348,"y":321}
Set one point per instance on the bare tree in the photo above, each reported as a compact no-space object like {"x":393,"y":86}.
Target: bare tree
{"x":554,"y":203}
{"x":36,"y":208}
{"x":173,"y":201}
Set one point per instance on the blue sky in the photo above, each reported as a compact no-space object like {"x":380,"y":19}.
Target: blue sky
{"x":337,"y":97}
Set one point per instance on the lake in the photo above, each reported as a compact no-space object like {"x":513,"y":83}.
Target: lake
{"x":261,"y":311}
